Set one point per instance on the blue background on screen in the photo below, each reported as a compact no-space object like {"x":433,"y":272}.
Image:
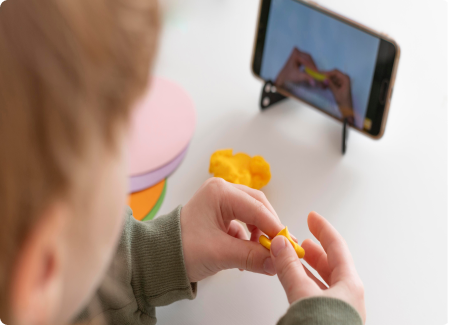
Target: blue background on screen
{"x":331,"y":43}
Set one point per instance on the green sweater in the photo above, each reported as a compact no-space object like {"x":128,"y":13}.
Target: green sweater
{"x":148,"y":271}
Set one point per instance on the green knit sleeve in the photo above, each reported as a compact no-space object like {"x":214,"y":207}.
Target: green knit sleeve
{"x":321,"y":311}
{"x":147,"y":271}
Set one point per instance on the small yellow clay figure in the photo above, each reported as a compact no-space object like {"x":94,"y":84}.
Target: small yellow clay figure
{"x":316,"y":75}
{"x":266,"y":242}
{"x":240,"y":168}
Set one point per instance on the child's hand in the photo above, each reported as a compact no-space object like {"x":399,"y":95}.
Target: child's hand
{"x":291,"y":69}
{"x":213,"y":240}
{"x":340,"y":86}
{"x":333,"y":262}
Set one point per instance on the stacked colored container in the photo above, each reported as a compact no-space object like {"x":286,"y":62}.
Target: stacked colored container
{"x":163,"y":124}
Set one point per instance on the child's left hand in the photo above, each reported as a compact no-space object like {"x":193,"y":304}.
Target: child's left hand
{"x":213,"y":240}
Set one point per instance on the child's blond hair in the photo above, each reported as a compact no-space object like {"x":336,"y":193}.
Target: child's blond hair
{"x":69,"y":72}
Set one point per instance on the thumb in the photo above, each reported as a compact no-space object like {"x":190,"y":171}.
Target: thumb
{"x":245,"y":255}
{"x":291,"y":273}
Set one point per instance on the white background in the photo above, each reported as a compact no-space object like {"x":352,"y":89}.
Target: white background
{"x":388,"y":198}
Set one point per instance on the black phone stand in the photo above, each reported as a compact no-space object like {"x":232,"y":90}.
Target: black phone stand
{"x":270,"y":96}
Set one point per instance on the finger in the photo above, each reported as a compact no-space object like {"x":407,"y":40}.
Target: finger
{"x":291,"y":273}
{"x":244,"y":255}
{"x":333,"y":73}
{"x":340,"y":74}
{"x":313,"y":277}
{"x":305,"y":59}
{"x":241,"y":234}
{"x":333,"y":76}
{"x":236,"y":204}
{"x":316,"y":257}
{"x":254,"y":233}
{"x":338,"y":255}
{"x":237,"y":230}
{"x":338,"y":77}
{"x":258,"y":195}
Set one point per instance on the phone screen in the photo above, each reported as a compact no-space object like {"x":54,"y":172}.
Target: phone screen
{"x":321,"y":60}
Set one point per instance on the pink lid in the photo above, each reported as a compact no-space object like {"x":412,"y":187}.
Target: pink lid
{"x":163,"y":123}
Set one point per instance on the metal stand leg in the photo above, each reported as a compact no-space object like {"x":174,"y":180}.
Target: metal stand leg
{"x":345,"y":131}
{"x":269,"y":95}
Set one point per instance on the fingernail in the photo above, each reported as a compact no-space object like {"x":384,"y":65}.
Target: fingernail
{"x":268,"y":266}
{"x":277,"y":245}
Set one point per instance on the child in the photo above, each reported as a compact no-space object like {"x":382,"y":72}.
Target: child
{"x":70,"y":72}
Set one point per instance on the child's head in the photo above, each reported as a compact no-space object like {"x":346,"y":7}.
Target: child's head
{"x":70,"y":71}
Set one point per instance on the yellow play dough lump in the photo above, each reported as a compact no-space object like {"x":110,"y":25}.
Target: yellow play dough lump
{"x":240,"y":168}
{"x":266,"y":242}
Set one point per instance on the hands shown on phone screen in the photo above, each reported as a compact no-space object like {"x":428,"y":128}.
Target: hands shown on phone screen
{"x":338,"y":82}
{"x":291,"y":71}
{"x":340,"y":86}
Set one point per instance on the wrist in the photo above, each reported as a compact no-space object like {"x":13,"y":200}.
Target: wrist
{"x":185,"y":244}
{"x":332,"y":310}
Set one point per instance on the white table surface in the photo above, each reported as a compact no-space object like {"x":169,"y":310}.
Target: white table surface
{"x":388,"y":198}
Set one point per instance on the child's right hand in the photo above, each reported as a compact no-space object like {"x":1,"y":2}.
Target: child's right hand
{"x":332,"y":260}
{"x":212,"y":238}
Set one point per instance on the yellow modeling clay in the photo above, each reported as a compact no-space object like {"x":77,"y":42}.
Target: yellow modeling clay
{"x":240,"y":168}
{"x":316,"y":75}
{"x":266,"y":242}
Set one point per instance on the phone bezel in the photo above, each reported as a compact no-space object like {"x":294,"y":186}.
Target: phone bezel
{"x":382,"y":109}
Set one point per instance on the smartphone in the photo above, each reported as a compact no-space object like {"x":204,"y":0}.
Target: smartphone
{"x":332,"y":63}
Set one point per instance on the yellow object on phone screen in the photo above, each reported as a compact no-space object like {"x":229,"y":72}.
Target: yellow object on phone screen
{"x":316,"y":75}
{"x":266,"y":242}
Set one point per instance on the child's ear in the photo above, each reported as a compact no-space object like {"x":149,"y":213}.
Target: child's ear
{"x":37,"y":277}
